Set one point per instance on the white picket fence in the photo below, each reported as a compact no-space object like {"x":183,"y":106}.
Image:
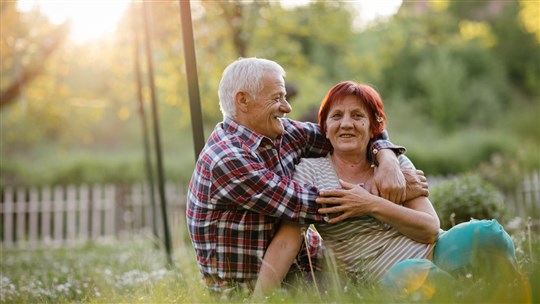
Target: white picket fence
{"x":525,"y":202}
{"x":65,"y":216}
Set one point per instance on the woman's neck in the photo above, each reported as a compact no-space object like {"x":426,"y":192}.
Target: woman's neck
{"x":354,"y":169}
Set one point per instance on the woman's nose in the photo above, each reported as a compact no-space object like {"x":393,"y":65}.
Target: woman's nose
{"x":346,"y":121}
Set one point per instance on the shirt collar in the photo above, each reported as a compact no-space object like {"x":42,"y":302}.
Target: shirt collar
{"x":252,"y":139}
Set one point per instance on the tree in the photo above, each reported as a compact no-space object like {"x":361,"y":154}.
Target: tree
{"x":17,"y":51}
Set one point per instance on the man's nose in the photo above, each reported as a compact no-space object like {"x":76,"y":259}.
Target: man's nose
{"x":285,"y":106}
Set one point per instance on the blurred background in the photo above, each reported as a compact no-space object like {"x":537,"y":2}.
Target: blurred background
{"x":460,"y":80}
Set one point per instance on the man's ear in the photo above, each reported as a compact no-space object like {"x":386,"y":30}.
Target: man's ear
{"x":242,"y":101}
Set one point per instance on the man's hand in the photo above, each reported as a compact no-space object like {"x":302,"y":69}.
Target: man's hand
{"x":417,"y":184}
{"x":389,"y":179}
{"x":349,"y":201}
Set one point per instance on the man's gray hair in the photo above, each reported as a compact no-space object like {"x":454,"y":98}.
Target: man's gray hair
{"x":243,"y":75}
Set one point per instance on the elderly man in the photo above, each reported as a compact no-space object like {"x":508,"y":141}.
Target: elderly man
{"x":242,"y":185}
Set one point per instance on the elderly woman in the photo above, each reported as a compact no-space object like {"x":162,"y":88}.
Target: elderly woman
{"x":381,"y":238}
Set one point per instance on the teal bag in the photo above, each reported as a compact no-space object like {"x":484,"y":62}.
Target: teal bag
{"x":474,"y":243}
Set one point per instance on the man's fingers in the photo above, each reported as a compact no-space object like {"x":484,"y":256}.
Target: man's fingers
{"x":328,"y":200}
{"x":338,"y":218}
{"x":334,"y":193}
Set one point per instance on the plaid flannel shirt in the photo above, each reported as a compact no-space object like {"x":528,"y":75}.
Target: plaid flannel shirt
{"x":242,"y":187}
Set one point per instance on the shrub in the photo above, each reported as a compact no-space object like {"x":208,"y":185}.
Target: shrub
{"x":464,"y":197}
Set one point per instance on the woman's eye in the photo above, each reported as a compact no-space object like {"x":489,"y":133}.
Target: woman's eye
{"x":359,"y":115}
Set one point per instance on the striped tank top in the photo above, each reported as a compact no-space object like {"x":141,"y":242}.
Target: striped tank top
{"x":363,"y":247}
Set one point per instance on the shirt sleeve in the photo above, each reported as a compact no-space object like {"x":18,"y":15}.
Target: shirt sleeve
{"x":405,"y":162}
{"x":383,"y":142}
{"x":241,"y":182}
{"x":308,"y":137}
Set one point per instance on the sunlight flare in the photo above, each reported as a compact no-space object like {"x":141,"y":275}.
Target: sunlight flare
{"x":89,"y":19}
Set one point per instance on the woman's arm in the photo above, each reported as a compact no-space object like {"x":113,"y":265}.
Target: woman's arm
{"x":416,"y":218}
{"x":278,"y":258}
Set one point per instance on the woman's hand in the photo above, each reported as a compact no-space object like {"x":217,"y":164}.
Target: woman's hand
{"x":350,"y":201}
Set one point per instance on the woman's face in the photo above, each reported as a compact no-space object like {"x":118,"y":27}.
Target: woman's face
{"x":348,"y":126}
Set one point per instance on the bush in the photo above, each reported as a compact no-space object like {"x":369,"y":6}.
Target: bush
{"x":464,"y":197}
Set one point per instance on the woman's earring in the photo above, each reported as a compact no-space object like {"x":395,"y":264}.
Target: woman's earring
{"x":379,"y":119}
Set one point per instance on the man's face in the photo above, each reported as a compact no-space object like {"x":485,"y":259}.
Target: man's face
{"x":265,"y":111}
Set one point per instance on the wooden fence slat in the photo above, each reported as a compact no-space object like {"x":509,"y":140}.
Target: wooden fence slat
{"x":33,"y":217}
{"x":136,"y":212}
{"x":109,"y":210}
{"x":84,"y":207}
{"x":96,"y":211}
{"x":149,"y":213}
{"x":71,"y":220}
{"x":58,"y":207}
{"x":8,"y":211}
{"x":21,"y":209}
{"x":46,"y":209}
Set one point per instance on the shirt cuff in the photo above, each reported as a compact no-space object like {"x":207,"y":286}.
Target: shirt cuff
{"x":386,"y":144}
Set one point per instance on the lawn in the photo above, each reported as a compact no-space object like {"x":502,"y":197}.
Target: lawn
{"x":136,"y":272}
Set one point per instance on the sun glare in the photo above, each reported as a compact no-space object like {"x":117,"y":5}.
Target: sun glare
{"x":89,"y":19}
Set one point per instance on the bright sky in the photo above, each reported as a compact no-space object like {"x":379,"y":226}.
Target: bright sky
{"x":91,"y":19}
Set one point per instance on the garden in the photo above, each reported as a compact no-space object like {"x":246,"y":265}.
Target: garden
{"x":88,"y":120}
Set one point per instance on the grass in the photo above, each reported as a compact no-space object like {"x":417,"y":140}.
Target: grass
{"x":136,"y":272}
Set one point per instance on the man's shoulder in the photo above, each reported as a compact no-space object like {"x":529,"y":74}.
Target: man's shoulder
{"x":221,"y":145}
{"x":296,"y":130}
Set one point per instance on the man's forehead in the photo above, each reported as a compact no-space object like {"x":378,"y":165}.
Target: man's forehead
{"x":274,"y":82}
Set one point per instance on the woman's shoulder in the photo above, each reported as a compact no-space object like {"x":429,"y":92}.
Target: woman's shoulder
{"x":314,"y":162}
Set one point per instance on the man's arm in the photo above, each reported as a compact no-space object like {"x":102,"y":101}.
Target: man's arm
{"x":242,"y":182}
{"x":389,"y":180}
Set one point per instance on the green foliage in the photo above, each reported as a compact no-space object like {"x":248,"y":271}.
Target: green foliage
{"x":454,"y":101}
{"x":464,"y":197}
{"x":77,"y":166}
